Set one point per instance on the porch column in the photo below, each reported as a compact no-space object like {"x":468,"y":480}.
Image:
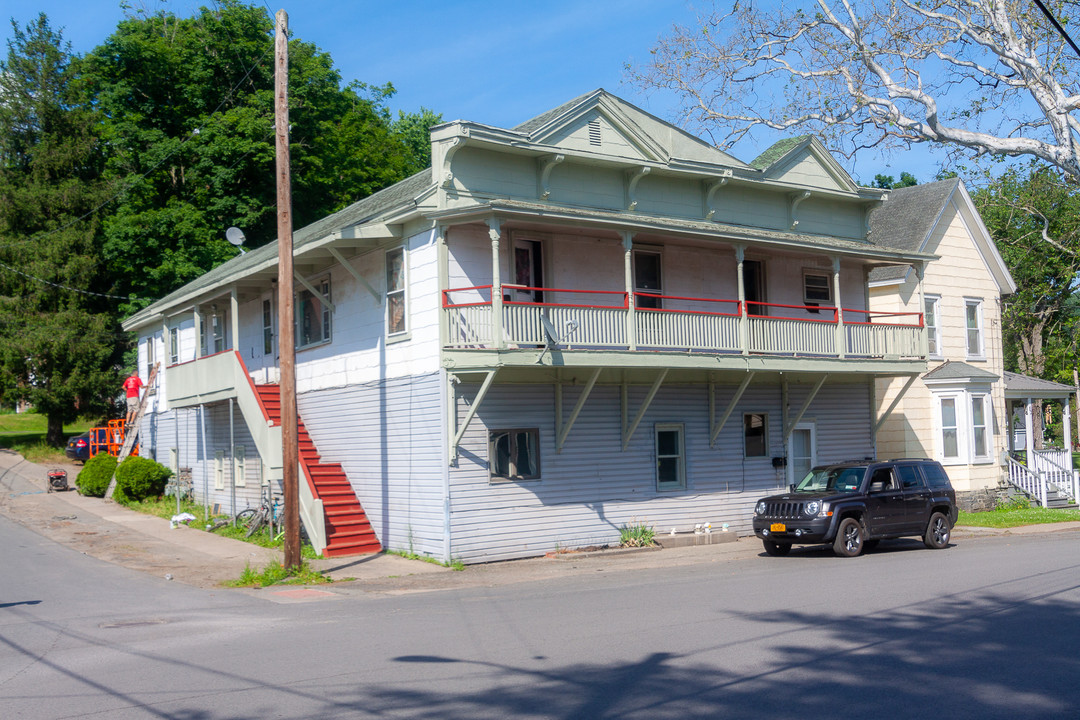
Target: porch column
{"x":1029,"y":435}
{"x":198,"y":333}
{"x":628,"y":281}
{"x":841,"y":336}
{"x":924,"y":342}
{"x":496,"y":287}
{"x":744,"y":339}
{"x":1068,"y":430}
{"x":443,"y":259}
{"x":234,"y":319}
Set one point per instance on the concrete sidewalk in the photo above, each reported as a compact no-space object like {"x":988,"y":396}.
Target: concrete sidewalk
{"x":125,"y":537}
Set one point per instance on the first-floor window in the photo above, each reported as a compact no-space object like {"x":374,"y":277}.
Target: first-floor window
{"x":755,"y":434}
{"x":950,"y":446}
{"x":980,"y":446}
{"x":670,"y":460}
{"x":239,"y":466}
{"x":219,"y":470}
{"x":514,"y":454}
{"x":313,"y":315}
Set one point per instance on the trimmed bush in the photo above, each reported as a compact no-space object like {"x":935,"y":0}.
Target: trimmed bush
{"x":93,"y":479}
{"x":138,"y":478}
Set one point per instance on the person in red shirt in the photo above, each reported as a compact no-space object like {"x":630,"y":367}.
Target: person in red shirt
{"x":132,"y":386}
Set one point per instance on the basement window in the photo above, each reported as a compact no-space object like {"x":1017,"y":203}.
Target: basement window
{"x":514,"y":454}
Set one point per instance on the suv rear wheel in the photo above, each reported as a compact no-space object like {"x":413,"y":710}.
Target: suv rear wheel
{"x":849,"y":538}
{"x":937,"y":532}
{"x":776,"y":549}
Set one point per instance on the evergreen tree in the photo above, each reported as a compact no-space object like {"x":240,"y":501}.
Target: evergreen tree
{"x":59,"y":344}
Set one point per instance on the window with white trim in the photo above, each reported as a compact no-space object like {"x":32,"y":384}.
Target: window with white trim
{"x":950,"y":437}
{"x":980,"y":445}
{"x":973,"y":318}
{"x":313,"y":315}
{"x":931,"y":319}
{"x":514,"y":454}
{"x":670,"y":457}
{"x":756,"y":434}
{"x":174,"y":345}
{"x":239,"y":466}
{"x":396,"y":282}
{"x":268,"y":327}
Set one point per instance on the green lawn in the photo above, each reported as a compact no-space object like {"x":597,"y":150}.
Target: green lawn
{"x":25,"y":434}
{"x":1015,"y":517}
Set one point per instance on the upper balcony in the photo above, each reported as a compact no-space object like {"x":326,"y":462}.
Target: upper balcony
{"x":608,"y":320}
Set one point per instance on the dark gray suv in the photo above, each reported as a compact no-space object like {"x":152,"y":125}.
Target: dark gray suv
{"x":854,"y":505}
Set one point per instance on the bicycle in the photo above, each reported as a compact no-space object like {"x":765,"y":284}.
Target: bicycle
{"x":267,"y":513}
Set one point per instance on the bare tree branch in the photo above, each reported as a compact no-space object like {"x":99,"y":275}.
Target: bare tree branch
{"x":984,"y":76}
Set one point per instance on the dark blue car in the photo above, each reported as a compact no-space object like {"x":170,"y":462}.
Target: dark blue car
{"x":78,"y":447}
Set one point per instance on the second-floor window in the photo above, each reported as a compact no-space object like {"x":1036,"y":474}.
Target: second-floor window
{"x":396,"y":315}
{"x":816,"y":290}
{"x":974,"y":325}
{"x":268,"y":327}
{"x":933,"y":328}
{"x":313,"y":315}
{"x":648,"y":279}
{"x":174,"y":345}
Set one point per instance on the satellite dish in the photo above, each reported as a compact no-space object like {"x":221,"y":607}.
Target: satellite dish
{"x":235,"y":236}
{"x":551,"y":333}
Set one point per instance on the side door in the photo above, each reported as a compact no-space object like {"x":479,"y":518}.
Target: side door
{"x":916,"y":498}
{"x":884,"y":502}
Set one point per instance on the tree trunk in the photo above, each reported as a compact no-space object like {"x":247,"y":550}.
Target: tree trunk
{"x":54,"y":432}
{"x":1032,"y":362}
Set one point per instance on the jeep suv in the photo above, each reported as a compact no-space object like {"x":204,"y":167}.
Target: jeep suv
{"x":853,"y":505}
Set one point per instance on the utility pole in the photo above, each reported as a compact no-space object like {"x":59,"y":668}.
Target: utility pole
{"x":286,"y":329}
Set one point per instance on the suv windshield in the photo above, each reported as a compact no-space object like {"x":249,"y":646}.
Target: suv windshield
{"x":837,"y":479}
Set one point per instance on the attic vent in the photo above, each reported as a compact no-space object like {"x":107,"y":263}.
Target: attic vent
{"x":594,"y":132}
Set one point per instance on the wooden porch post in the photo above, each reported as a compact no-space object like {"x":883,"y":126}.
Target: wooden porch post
{"x":234,"y":319}
{"x":841,"y":336}
{"x":1068,"y":429}
{"x":198,"y":333}
{"x":924,"y":343}
{"x":628,"y":278}
{"x":496,"y":286}
{"x":744,"y":339}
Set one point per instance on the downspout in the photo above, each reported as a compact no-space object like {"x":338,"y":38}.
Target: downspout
{"x":232,"y":462}
{"x":205,"y":470}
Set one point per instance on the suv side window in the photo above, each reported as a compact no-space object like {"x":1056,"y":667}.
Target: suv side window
{"x":909,"y":476}
{"x":885,"y":477}
{"x":935,"y":475}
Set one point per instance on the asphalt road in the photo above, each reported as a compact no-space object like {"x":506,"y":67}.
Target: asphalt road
{"x":985,"y":629}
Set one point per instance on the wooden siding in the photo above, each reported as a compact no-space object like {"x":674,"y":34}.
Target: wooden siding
{"x":960,"y":273}
{"x":181,"y":429}
{"x":389,"y":437}
{"x":593,"y":487}
{"x":479,"y":173}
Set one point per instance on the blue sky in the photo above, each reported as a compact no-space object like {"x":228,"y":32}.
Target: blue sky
{"x":498,"y":63}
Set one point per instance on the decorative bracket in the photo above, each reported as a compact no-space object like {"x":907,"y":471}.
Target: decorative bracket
{"x":796,"y":200}
{"x":631,"y":190}
{"x":452,"y":148}
{"x":724,"y":178}
{"x":548,"y":164}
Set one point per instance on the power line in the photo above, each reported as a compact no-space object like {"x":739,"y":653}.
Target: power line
{"x":63,"y":287}
{"x":1057,"y":26}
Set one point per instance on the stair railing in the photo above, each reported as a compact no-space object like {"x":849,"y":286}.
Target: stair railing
{"x":1033,"y":484}
{"x":1064,"y":479}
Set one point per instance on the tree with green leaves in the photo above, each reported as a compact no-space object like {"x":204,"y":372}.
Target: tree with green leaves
{"x":187,"y":110}
{"x":887,"y":182}
{"x":59,"y":337}
{"x":1034,"y":217}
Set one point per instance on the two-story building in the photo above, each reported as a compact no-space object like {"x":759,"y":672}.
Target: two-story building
{"x":589,"y":320}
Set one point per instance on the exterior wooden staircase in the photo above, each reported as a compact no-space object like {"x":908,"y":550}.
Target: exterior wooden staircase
{"x":348,"y":531}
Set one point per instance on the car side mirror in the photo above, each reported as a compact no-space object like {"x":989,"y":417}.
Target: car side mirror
{"x":791,"y":487}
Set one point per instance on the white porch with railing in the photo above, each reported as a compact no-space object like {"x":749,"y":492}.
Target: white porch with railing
{"x":1049,"y":475}
{"x":589,"y":319}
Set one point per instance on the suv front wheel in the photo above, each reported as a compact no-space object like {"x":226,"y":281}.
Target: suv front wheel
{"x":776,"y":549}
{"x":937,"y":532}
{"x":849,"y":538}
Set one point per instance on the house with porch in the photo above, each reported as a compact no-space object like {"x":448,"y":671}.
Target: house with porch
{"x":590,"y":320}
{"x":959,"y":411}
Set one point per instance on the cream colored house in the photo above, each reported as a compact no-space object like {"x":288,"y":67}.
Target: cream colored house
{"x":955,"y":412}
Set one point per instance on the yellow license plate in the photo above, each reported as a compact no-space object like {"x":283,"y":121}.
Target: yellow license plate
{"x":778,"y":527}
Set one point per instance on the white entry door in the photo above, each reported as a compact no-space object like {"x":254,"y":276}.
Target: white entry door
{"x":803,"y":455}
